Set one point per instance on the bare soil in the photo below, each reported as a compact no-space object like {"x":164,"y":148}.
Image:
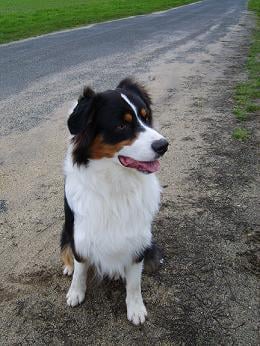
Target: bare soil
{"x":206,"y":291}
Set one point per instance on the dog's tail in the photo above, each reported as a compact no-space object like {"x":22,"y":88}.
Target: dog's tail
{"x":153,"y":258}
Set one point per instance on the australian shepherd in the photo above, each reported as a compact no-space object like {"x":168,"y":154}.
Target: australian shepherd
{"x":111,"y":191}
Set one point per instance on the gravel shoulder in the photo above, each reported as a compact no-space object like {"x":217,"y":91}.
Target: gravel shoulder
{"x":206,"y":291}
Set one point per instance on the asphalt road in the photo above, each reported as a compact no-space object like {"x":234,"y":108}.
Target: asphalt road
{"x":56,"y":65}
{"x":205,"y":293}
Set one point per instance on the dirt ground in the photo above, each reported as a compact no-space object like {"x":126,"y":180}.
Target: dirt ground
{"x":206,"y":291}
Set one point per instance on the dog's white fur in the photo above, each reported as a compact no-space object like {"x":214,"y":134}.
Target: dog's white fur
{"x":113,"y":210}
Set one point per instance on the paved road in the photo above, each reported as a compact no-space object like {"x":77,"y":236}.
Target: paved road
{"x":55,"y":65}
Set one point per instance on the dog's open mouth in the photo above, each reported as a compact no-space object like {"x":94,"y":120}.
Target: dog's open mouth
{"x":142,"y":166}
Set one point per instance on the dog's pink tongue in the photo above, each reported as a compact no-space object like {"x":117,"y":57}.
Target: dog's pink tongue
{"x":144,"y":166}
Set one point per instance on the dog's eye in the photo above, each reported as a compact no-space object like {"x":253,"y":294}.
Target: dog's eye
{"x":121,"y":127}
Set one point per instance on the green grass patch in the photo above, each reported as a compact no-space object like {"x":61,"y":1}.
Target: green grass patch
{"x":25,"y":18}
{"x":241,"y":134}
{"x":254,"y":5}
{"x":247,"y":94}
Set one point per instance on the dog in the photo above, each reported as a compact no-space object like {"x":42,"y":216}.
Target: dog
{"x":111,"y":191}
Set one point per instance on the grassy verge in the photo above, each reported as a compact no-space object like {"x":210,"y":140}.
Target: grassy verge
{"x":25,"y":18}
{"x":247,"y":94}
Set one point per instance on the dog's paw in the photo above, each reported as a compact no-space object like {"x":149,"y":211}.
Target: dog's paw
{"x":75,"y":296}
{"x":136,"y":312}
{"x":67,"y":270}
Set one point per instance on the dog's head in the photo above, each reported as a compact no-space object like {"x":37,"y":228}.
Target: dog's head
{"x":116,"y":124}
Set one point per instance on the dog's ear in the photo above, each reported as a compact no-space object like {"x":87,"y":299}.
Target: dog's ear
{"x":82,"y":125}
{"x":83,"y":112}
{"x":137,"y":88}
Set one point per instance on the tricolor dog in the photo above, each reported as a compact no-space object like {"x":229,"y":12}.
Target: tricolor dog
{"x":111,"y":191}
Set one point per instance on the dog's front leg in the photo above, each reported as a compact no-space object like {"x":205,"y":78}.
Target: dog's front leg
{"x":76,"y":293}
{"x":136,"y":310}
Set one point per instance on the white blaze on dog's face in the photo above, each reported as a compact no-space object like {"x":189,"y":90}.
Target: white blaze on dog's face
{"x":143,"y":150}
{"x":117,"y":124}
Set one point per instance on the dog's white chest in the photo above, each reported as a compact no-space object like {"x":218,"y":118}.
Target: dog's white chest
{"x":113,"y":213}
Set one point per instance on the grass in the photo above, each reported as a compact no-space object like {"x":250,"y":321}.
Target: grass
{"x":247,"y":94}
{"x":241,"y":134}
{"x":25,"y":18}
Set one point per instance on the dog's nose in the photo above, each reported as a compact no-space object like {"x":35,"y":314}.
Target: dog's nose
{"x":160,"y":146}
